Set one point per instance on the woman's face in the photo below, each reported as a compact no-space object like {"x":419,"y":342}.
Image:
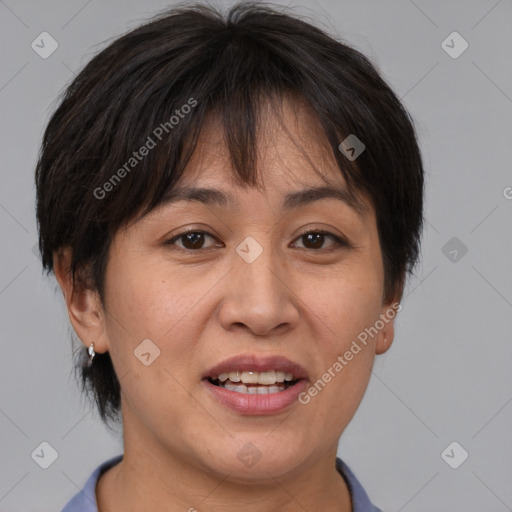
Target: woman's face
{"x":252,"y":285}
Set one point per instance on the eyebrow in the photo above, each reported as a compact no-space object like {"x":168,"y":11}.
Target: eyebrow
{"x":216,"y":197}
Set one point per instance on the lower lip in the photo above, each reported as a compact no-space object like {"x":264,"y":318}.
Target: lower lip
{"x":270,"y":403}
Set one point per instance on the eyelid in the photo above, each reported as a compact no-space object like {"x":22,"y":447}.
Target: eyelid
{"x":340,"y":241}
{"x":174,"y":238}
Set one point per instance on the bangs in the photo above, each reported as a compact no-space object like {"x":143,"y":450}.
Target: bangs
{"x":130,"y":121}
{"x":169,"y":103}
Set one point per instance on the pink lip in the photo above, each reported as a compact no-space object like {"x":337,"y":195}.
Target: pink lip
{"x":271,"y":403}
{"x":251,"y":362}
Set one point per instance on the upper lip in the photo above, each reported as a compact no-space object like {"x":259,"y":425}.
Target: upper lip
{"x":252,"y":362}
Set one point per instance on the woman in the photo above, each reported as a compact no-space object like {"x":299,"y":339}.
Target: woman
{"x":231,"y":206}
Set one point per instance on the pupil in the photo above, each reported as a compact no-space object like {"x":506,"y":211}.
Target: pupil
{"x":194,"y":238}
{"x":315,"y":237}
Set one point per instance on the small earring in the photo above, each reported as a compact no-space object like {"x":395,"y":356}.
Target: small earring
{"x":91,"y":353}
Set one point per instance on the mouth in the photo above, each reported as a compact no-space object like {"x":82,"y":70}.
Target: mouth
{"x":256,"y":375}
{"x":255,"y":383}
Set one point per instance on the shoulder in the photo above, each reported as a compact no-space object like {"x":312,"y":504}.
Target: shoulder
{"x":85,"y":499}
{"x":360,"y":500}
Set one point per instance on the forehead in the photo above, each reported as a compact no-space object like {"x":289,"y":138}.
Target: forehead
{"x":291,"y":151}
{"x":294,"y":166}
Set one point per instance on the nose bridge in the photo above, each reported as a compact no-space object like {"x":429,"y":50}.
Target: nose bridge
{"x":258,"y":296}
{"x":256,"y":266}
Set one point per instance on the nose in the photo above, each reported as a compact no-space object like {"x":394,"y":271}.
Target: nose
{"x":258,"y":297}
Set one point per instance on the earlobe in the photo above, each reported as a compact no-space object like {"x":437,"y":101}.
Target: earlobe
{"x":385,"y":339}
{"x":387,"y":322}
{"x":83,"y":304}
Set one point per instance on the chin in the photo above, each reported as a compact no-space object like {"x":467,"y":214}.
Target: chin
{"x":255,"y":461}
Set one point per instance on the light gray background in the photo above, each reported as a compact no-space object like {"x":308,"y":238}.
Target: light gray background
{"x":448,"y":375}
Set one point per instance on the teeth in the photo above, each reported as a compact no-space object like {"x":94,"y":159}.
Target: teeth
{"x":265,"y":378}
{"x":253,"y":390}
{"x":234,"y":376}
{"x":249,"y":377}
{"x":235,"y":387}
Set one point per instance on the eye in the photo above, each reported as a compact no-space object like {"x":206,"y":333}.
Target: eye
{"x":192,"y":240}
{"x":315,"y":239}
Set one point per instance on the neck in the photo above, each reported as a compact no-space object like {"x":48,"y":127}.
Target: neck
{"x":157,"y":481}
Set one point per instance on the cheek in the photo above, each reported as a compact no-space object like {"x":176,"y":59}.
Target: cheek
{"x":346,"y":303}
{"x":343,"y":307}
{"x":145,"y":299}
{"x":145,"y":302}
{"x":344,"y":362}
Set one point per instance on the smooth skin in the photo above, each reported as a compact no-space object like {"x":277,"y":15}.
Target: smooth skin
{"x":200,"y":303}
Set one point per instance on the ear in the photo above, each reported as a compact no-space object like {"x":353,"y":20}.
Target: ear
{"x":83,"y":304}
{"x":386,"y":334}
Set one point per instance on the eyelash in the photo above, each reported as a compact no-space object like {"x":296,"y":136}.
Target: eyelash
{"x":339,"y":242}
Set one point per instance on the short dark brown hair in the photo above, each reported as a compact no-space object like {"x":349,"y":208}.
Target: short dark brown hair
{"x":226,"y":65}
